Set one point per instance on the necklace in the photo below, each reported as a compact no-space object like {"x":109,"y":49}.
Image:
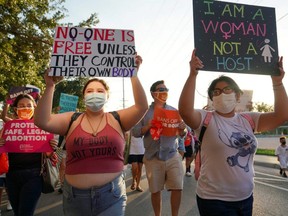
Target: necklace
{"x":94,"y":133}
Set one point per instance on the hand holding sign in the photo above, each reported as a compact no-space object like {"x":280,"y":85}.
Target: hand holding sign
{"x":156,"y":129}
{"x":277,"y":80}
{"x":2,"y":142}
{"x":138,"y":61}
{"x":52,"y":80}
{"x":195,"y":63}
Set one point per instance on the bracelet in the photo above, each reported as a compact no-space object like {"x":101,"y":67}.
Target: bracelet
{"x":276,"y":87}
{"x":280,"y":84}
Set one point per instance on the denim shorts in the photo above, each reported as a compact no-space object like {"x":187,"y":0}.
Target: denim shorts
{"x":218,"y":208}
{"x":109,"y":199}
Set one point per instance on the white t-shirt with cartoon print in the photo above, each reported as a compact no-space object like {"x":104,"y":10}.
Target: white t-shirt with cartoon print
{"x":228,"y":148}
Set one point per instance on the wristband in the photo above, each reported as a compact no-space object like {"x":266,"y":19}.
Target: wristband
{"x":278,"y":86}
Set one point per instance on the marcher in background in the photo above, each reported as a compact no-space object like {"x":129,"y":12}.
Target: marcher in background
{"x":24,"y":182}
{"x":189,"y":142}
{"x":3,"y":180}
{"x":163,"y":163}
{"x":2,"y":188}
{"x":181,"y":146}
{"x":95,"y":146}
{"x":226,"y":182}
{"x":282,"y":156}
{"x":136,"y":160}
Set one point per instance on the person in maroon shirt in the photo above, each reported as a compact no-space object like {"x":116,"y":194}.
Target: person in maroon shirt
{"x":94,"y":180}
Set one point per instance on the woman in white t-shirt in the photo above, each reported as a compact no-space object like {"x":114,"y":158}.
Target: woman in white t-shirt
{"x":225,"y":185}
{"x":136,"y":160}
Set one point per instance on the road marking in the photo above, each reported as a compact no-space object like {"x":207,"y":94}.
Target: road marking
{"x":270,"y":185}
{"x":271,"y":179}
{"x":265,"y":174}
{"x":46,"y":208}
{"x":274,"y":178}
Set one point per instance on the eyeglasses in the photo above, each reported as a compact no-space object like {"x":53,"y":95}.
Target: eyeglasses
{"x":225,"y":90}
{"x":161,"y":89}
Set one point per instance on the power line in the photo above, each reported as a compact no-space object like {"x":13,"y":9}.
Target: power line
{"x":282,"y":17}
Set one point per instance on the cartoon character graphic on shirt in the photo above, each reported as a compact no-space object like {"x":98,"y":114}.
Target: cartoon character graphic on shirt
{"x":244,"y":142}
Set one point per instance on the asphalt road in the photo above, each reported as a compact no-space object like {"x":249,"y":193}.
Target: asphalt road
{"x":270,"y":197}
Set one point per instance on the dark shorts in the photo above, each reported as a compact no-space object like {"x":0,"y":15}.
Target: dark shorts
{"x":2,"y":182}
{"x":135,"y":158}
{"x":189,"y":151}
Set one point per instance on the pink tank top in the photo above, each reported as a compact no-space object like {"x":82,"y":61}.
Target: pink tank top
{"x":101,"y":154}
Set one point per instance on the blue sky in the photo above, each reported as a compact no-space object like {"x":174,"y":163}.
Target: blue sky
{"x":164,"y":38}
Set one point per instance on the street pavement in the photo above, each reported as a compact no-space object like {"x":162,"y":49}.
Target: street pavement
{"x":138,"y":203}
{"x":267,"y":161}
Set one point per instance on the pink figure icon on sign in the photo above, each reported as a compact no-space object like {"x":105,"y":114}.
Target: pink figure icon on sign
{"x":266,"y":53}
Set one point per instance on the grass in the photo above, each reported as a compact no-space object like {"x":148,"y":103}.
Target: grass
{"x":269,"y":152}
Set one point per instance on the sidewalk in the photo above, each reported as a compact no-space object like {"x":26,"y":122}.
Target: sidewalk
{"x":267,"y":161}
{"x":267,"y":143}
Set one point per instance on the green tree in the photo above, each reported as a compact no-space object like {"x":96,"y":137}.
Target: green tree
{"x":26,"y":38}
{"x":73,"y":87}
{"x":262,"y":107}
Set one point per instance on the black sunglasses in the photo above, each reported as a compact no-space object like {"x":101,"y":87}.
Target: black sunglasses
{"x":162,"y":89}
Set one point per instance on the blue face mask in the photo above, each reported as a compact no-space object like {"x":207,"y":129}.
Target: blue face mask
{"x":95,"y":101}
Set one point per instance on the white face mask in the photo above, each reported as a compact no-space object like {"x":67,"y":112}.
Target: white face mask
{"x":95,"y":101}
{"x":225,"y":103}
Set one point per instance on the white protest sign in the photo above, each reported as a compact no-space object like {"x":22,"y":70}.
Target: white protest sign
{"x":91,"y":52}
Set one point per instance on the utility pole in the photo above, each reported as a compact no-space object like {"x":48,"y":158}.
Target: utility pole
{"x":123,"y":89}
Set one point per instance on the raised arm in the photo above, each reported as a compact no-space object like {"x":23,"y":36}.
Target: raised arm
{"x":43,"y":117}
{"x":130,"y":116}
{"x":4,"y":116}
{"x":271,"y":120}
{"x":186,"y":102}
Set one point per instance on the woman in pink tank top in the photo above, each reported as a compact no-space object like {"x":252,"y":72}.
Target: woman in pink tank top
{"x":94,"y":181}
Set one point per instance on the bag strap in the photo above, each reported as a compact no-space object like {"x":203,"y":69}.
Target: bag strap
{"x":117,"y":117}
{"x":77,"y":114}
{"x":73,"y":118}
{"x":205,"y":125}
{"x":209,"y":116}
{"x":249,"y":119}
{"x":62,"y":143}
